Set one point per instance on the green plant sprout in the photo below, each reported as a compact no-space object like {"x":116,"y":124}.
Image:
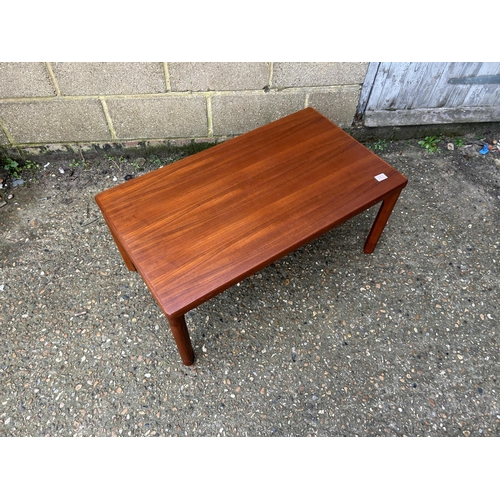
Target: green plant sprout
{"x":155,"y":159}
{"x":74,"y":163}
{"x":379,"y":145}
{"x":429,"y":143}
{"x":15,"y":169}
{"x":12,"y":168}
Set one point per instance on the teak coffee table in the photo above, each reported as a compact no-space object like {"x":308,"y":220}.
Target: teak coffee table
{"x":202,"y":224}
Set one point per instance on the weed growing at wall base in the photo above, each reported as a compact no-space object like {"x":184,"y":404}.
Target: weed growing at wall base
{"x":379,"y":145}
{"x":430,"y":143}
{"x":14,"y":169}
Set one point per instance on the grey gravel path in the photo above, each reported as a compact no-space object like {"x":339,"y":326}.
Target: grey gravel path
{"x":326,"y":342}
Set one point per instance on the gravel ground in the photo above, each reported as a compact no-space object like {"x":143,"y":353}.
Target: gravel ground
{"x":326,"y":342}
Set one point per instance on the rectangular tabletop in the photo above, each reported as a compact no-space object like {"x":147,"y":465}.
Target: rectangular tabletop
{"x":196,"y":227}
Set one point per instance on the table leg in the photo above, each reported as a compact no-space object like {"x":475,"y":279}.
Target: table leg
{"x":181,"y":336}
{"x":381,"y":220}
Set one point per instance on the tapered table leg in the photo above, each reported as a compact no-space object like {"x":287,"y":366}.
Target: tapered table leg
{"x":181,"y":336}
{"x":381,"y":220}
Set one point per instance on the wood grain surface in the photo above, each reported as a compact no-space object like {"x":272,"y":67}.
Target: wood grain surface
{"x":198,"y":226}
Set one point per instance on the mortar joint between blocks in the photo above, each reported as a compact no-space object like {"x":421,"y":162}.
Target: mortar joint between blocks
{"x":167,"y":77}
{"x":209,"y":116}
{"x":53,"y":78}
{"x":109,"y":121}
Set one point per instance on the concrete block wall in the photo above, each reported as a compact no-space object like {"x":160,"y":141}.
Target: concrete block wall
{"x":56,"y":106}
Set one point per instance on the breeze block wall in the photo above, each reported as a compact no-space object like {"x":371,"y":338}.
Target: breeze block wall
{"x":47,"y":107}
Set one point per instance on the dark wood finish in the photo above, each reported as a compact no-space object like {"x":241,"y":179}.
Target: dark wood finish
{"x":380,"y":221}
{"x":198,"y":226}
{"x":181,"y":336}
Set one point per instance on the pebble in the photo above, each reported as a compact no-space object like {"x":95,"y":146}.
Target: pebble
{"x":17,"y":182}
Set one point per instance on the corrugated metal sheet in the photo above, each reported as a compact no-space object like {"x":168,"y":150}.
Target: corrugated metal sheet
{"x":425,"y":93}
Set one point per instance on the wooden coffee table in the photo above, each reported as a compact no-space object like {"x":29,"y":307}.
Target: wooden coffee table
{"x":200,"y":225}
